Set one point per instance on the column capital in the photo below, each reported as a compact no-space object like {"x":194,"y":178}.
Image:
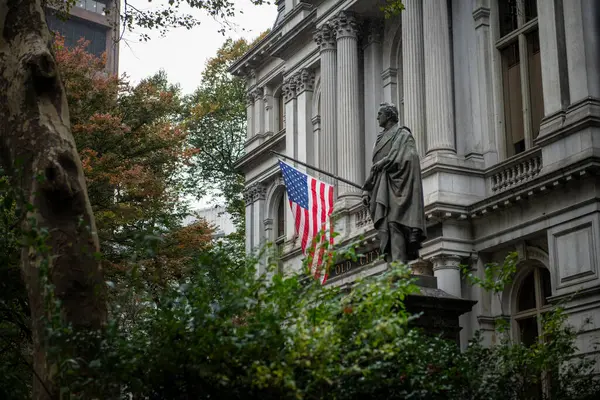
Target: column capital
{"x":250,"y":98}
{"x":446,"y":261}
{"x":289,"y":87}
{"x":268,"y":222}
{"x":325,"y":37}
{"x":254,"y":192}
{"x":305,"y":80}
{"x":345,"y":25}
{"x":257,"y":93}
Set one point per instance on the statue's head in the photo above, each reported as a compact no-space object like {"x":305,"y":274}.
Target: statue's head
{"x":387,"y":115}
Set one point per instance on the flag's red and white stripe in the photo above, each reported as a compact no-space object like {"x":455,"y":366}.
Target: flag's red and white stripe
{"x":314,"y":220}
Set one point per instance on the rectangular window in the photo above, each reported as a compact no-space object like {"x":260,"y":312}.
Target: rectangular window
{"x":74,"y":29}
{"x":521,"y":73}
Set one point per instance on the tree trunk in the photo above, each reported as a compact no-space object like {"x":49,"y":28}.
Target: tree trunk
{"x":38,"y":152}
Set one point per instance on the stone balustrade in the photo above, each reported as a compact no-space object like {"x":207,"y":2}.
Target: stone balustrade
{"x":516,"y":171}
{"x":362,"y":218}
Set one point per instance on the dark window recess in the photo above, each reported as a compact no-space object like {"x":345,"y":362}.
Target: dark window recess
{"x":508,"y":16}
{"x":530,"y":10}
{"x":74,"y":29}
{"x":546,"y":285}
{"x":526,"y":296}
{"x":520,"y":146}
{"x":528,"y":331}
{"x":281,"y":218}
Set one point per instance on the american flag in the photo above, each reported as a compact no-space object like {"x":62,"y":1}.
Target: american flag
{"x":311,"y":202}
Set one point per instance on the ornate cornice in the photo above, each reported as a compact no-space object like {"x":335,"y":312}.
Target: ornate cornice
{"x":325,"y":37}
{"x":305,"y":81}
{"x":345,"y":25}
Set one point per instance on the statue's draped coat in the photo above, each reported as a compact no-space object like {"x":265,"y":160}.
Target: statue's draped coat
{"x":397,"y":189}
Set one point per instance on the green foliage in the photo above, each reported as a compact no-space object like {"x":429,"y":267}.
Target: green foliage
{"x":226,"y":334}
{"x":15,"y":332}
{"x":495,"y":276}
{"x":215,"y":117}
{"x":392,"y":8}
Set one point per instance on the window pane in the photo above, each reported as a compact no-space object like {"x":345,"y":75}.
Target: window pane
{"x":513,"y":101}
{"x":526,"y":294}
{"x":530,"y":10}
{"x":281,"y":112}
{"x":546,"y":286}
{"x":535,"y":82}
{"x":90,"y":5}
{"x":508,"y":16}
{"x":528,"y":331}
{"x":281,"y":218}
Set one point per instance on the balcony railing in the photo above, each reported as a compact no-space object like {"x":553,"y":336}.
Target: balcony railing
{"x":515,"y":171}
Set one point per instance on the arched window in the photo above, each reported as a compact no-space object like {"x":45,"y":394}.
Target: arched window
{"x":281,"y":218}
{"x":530,"y":303}
{"x":281,"y":110}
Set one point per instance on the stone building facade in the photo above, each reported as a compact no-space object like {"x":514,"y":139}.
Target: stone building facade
{"x":503,"y":98}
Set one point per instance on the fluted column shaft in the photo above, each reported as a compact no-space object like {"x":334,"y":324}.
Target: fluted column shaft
{"x":413,"y":72}
{"x":438,"y":77}
{"x":325,"y":39}
{"x":350,"y":161}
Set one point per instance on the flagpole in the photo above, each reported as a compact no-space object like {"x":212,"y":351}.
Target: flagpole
{"x":318,"y":170}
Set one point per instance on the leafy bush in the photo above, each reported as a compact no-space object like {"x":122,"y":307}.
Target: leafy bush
{"x":228,"y":334}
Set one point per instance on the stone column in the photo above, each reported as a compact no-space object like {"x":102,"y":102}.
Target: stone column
{"x":248,"y":199}
{"x":289,"y":101}
{"x":446,"y":268}
{"x":258,"y":191}
{"x":249,"y":115}
{"x":325,"y":39}
{"x":582,"y":26}
{"x":316,"y":125}
{"x":304,"y":92}
{"x":350,"y":141}
{"x":413,"y":71}
{"x":373,"y":64}
{"x":389,"y":79}
{"x":269,"y":114}
{"x":484,"y":102}
{"x":438,"y":77}
{"x":552,"y":50}
{"x":259,"y":110}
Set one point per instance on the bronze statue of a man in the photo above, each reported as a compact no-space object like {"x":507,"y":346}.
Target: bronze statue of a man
{"x":394,"y":190}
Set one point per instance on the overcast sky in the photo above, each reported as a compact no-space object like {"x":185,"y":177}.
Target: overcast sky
{"x":183,"y":53}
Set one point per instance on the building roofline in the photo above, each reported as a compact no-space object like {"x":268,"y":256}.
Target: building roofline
{"x":261,"y":50}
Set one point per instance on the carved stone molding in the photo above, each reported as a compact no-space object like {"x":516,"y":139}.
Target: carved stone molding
{"x":305,"y":81}
{"x":325,"y":37}
{"x":446,"y":261}
{"x":345,"y":25}
{"x":257,"y":93}
{"x":289,"y":87}
{"x":374,"y":32}
{"x":249,"y":99}
{"x":248,"y":196}
{"x":255,"y":192}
